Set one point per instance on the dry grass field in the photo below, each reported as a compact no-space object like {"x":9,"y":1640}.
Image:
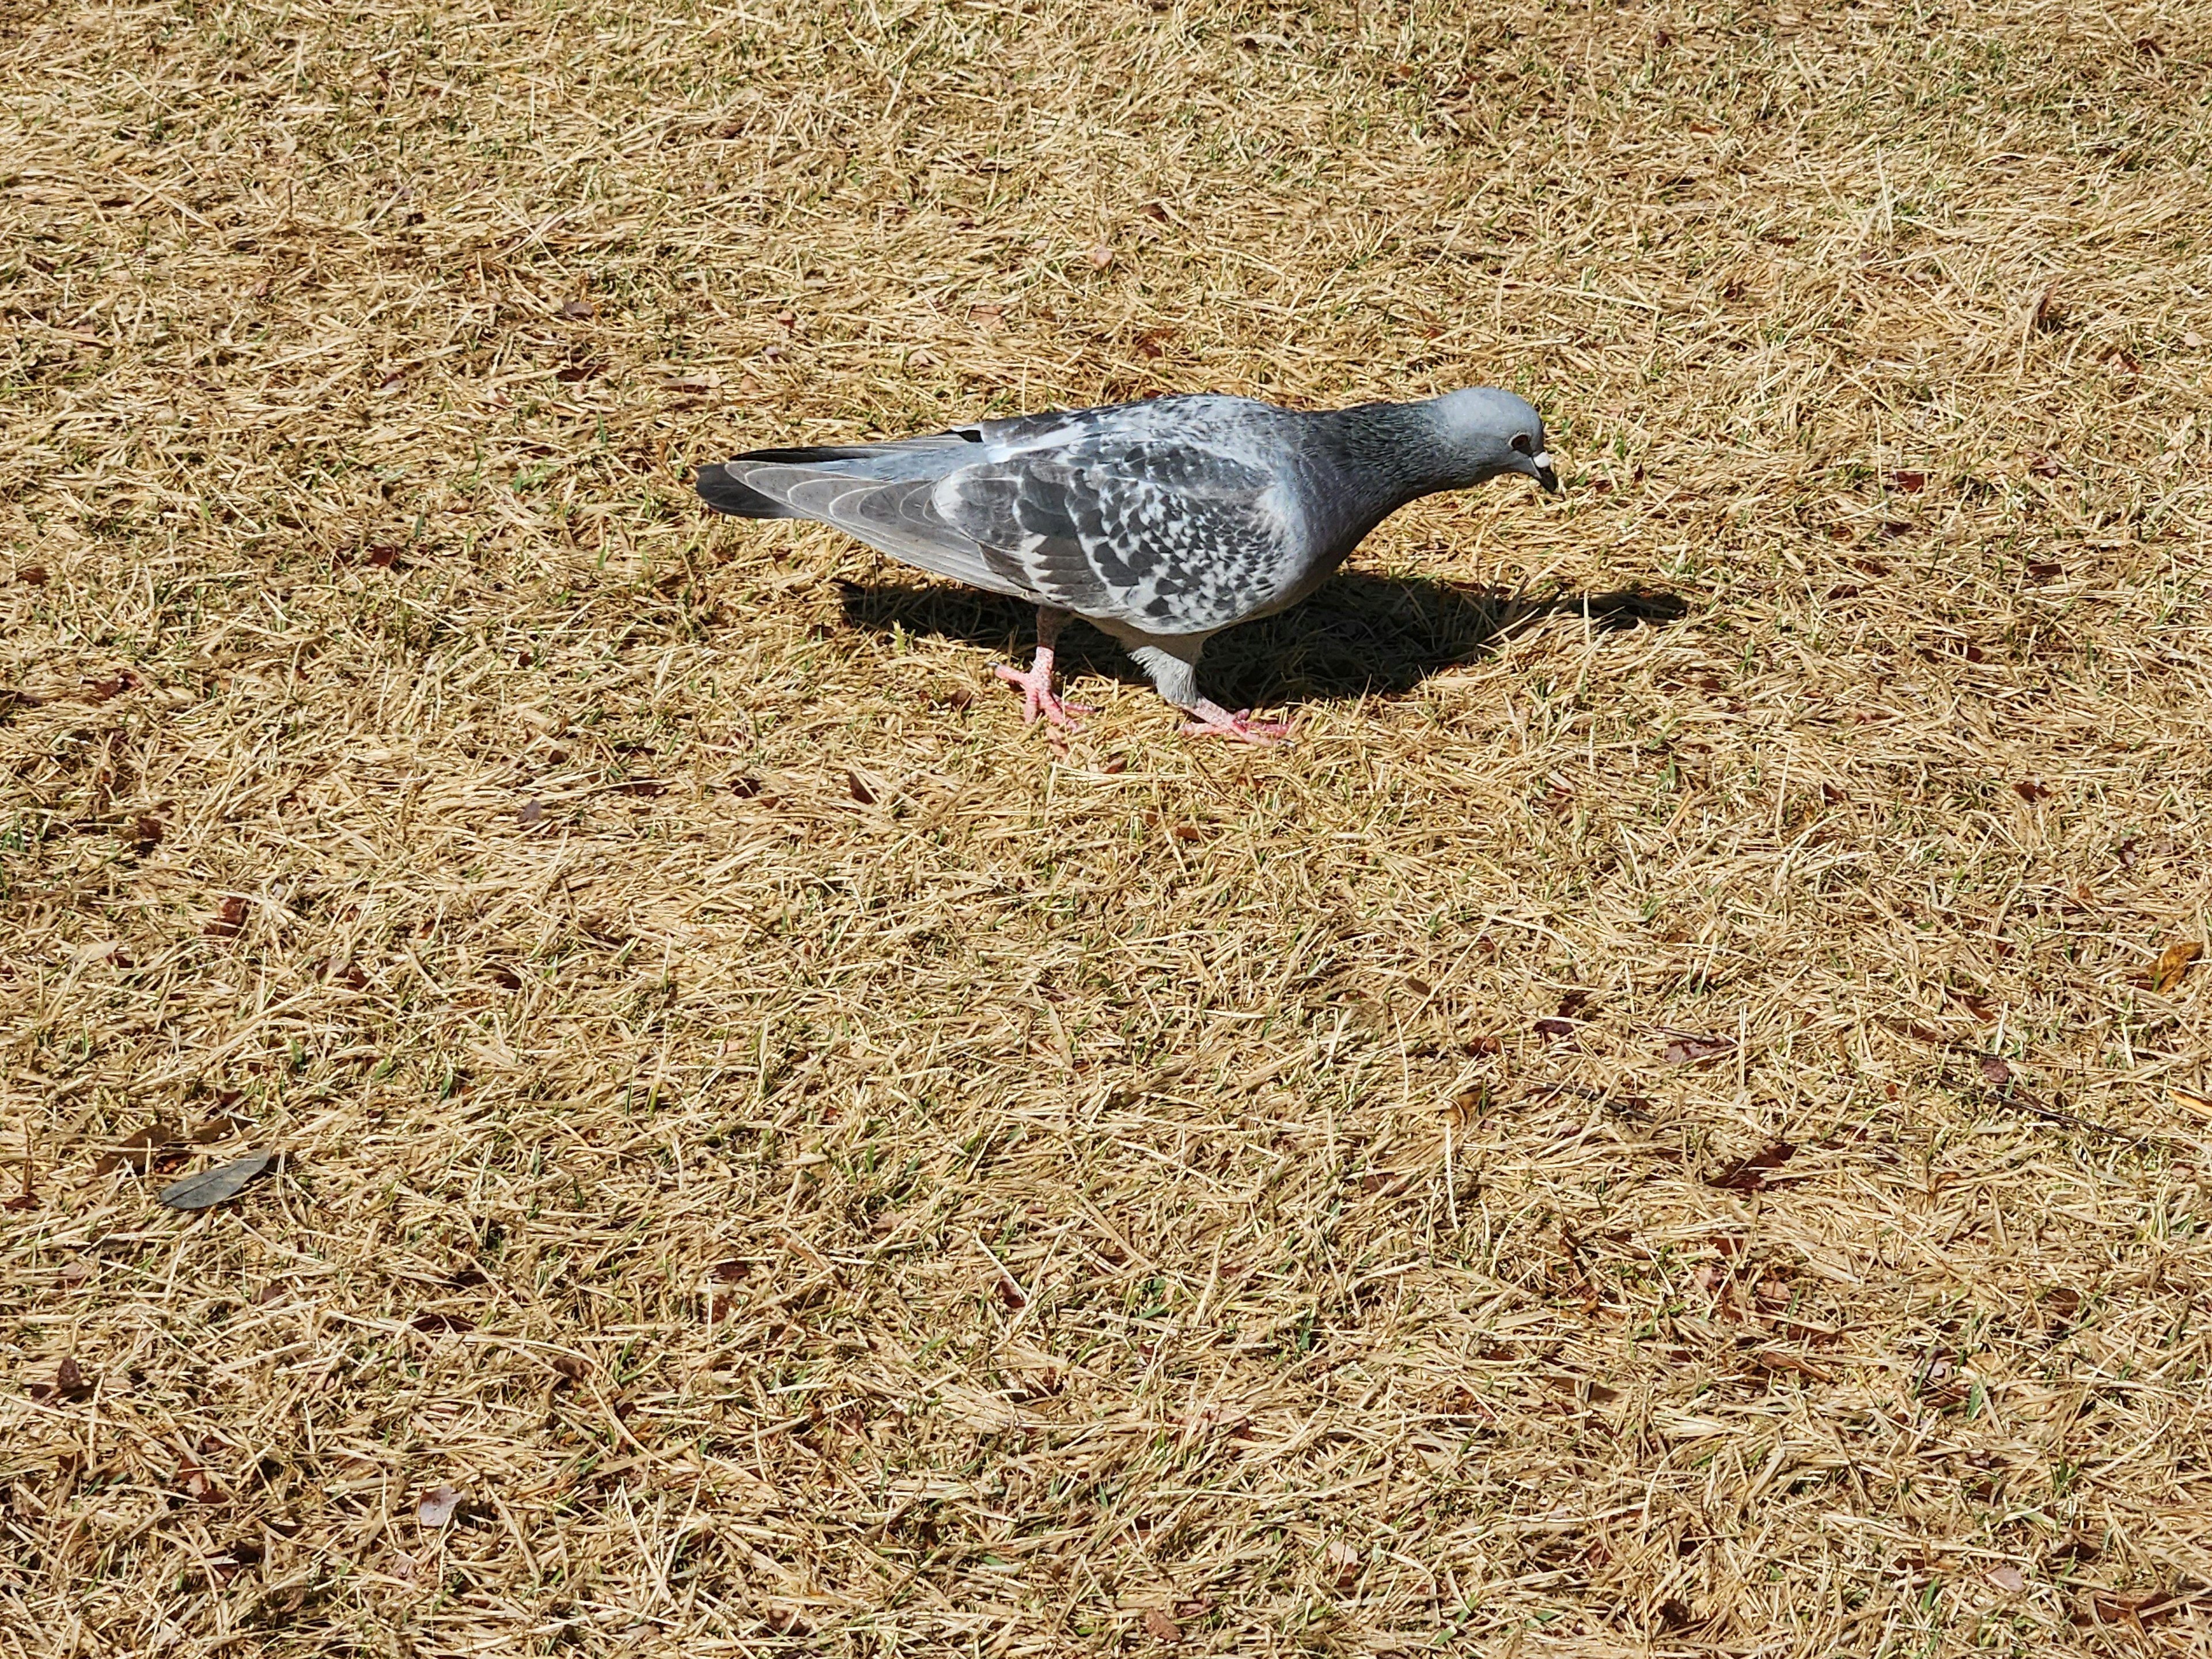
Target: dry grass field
{"x":1658,"y":1126}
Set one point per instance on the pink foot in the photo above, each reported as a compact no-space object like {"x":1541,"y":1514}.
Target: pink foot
{"x":1038,"y":695}
{"x":1215,"y":722}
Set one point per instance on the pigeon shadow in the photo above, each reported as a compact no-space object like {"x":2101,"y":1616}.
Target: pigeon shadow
{"x":1361,"y":633}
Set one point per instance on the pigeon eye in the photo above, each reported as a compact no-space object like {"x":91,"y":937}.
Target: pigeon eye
{"x":1522,"y":445}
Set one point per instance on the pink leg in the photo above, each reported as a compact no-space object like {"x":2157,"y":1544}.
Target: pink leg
{"x":1215,"y":722}
{"x":1037,"y":696}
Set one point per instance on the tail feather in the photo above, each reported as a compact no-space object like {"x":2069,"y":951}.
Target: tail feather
{"x":725,"y":493}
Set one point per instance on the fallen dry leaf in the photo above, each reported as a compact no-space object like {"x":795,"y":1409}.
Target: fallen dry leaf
{"x":70,"y":1383}
{"x":229,"y":918}
{"x":437,"y":1506}
{"x":138,"y":1149}
{"x":212,"y":1186}
{"x":1695,"y":1050}
{"x":2008,"y":1579}
{"x":2172,"y":964}
{"x":1749,"y":1175}
{"x":1160,"y":1628}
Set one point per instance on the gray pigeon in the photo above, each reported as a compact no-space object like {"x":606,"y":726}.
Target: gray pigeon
{"x":1161,"y":522}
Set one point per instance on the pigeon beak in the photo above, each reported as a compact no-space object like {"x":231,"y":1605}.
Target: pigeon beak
{"x":1541,"y":466}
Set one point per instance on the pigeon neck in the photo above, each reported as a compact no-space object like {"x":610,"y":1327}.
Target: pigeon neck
{"x":1400,"y":447}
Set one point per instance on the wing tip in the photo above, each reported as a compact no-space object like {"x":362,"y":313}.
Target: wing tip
{"x":725,"y":492}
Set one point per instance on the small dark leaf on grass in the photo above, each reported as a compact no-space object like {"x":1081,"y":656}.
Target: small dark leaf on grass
{"x":102,"y":690}
{"x":1910,"y":483}
{"x":1995,"y":1069}
{"x":1485,"y":1045}
{"x":1187,"y":832}
{"x":70,"y":1383}
{"x":437,"y":1506}
{"x":1675,"y":1615}
{"x":138,"y":1149}
{"x":534,"y":812}
{"x":859,"y":788}
{"x":35,"y":575}
{"x":647,"y":786}
{"x":229,"y":918}
{"x":574,"y":1367}
{"x":2172,"y":964}
{"x":1749,"y":1175}
{"x":1160,"y":1628}
{"x":441,"y":1324}
{"x":2049,"y":466}
{"x":1893,"y":528}
{"x":1555,"y":1028}
{"x":579,"y":310}
{"x":1693,"y":1050}
{"x":2030,"y":790}
{"x":381,"y":557}
{"x":744,"y":789}
{"x":732,"y":1271}
{"x":211,"y":1187}
{"x":2044,"y":570}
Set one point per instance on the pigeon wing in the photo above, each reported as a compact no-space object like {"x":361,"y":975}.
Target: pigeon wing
{"x":1167,"y":537}
{"x":880,"y":493}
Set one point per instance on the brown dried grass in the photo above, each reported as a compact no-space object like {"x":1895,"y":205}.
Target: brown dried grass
{"x":813,"y":1167}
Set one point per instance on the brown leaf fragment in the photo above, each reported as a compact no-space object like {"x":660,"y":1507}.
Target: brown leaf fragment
{"x":70,"y":1383}
{"x":1994,"y":1068}
{"x":646,"y":787}
{"x":1685,"y":1050}
{"x":212,"y":1186}
{"x":1555,"y":1028}
{"x":438,"y":1506}
{"x":1340,"y":1565}
{"x":102,"y":690}
{"x":1749,"y":1175}
{"x":579,"y":310}
{"x":229,"y":918}
{"x":441,"y":1324}
{"x":2030,"y":790}
{"x":2173,"y":962}
{"x":1675,"y":1615}
{"x":33,"y":574}
{"x":573,"y":1367}
{"x":2044,"y":570}
{"x":1909,"y":483}
{"x":1484,"y":1045}
{"x":138,"y":1149}
{"x":858,"y":788}
{"x":534,"y":812}
{"x":1160,"y":1628}
{"x":2010,"y":1580}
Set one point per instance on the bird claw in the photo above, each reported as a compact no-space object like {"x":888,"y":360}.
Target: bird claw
{"x":1239,"y":727}
{"x":1038,"y":699}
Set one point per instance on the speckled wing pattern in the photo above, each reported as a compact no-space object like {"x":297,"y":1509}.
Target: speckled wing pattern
{"x":1170,"y":516}
{"x":1167,"y":528}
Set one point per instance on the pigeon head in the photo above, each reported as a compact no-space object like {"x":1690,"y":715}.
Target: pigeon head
{"x":1483,"y":432}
